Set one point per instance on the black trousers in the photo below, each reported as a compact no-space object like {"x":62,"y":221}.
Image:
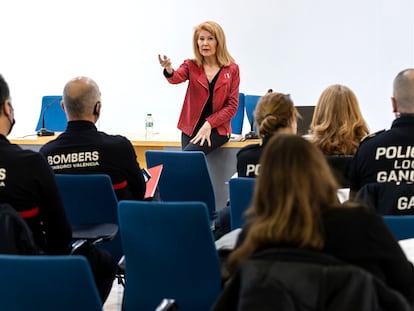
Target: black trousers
{"x":216,"y":139}
{"x":103,"y":268}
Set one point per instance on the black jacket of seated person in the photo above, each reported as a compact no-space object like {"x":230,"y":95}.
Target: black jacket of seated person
{"x":82,"y":149}
{"x":359,"y":236}
{"x":292,"y":279}
{"x":28,"y":184}
{"x":385,"y":156}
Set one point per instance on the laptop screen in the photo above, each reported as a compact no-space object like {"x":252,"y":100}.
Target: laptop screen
{"x":303,"y":123}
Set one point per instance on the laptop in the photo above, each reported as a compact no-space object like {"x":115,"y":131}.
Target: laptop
{"x":303,"y":123}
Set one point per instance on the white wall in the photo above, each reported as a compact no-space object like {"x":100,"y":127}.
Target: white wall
{"x":296,"y":46}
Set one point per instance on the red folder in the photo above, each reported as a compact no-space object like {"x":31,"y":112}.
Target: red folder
{"x":152,"y":183}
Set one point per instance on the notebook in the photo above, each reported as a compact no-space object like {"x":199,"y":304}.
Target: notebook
{"x":152,"y":182}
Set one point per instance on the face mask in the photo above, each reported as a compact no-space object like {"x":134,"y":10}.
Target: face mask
{"x":12,"y":123}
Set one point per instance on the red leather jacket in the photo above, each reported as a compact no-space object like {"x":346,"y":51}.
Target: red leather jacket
{"x":225,"y":99}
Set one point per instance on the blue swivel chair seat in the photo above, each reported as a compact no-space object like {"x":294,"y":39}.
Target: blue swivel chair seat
{"x":47,"y":283}
{"x":241,"y":190}
{"x":169,"y":253}
{"x":52,"y":117}
{"x":89,"y":199}
{"x":185,"y":177}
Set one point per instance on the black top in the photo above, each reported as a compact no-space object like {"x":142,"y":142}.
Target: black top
{"x":28,"y":184}
{"x":208,"y":107}
{"x":82,"y":149}
{"x":248,"y":163}
{"x":248,"y":160}
{"x":387,"y":156}
{"x":360,"y":237}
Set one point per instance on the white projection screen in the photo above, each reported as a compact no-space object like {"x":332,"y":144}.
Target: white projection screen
{"x":297,"y":47}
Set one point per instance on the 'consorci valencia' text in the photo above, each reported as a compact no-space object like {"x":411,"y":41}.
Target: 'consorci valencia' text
{"x":73,"y":160}
{"x":403,"y":163}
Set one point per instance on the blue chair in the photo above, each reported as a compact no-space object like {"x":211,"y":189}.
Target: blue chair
{"x":169,"y":253}
{"x":47,"y":283}
{"x":241,"y":190}
{"x":52,"y":117}
{"x":90,"y":199}
{"x":237,"y":120}
{"x":250,"y":102}
{"x":185,"y":177}
{"x":401,"y":226}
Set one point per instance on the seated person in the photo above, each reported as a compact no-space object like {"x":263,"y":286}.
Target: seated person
{"x":28,"y":184}
{"x":82,"y":149}
{"x":274,"y":113}
{"x":387,"y":156}
{"x":337,"y":125}
{"x":295,"y":205}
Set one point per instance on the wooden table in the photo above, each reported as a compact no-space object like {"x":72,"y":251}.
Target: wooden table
{"x":222,"y":162}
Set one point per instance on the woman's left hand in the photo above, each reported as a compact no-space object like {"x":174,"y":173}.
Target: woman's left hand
{"x":203,"y":135}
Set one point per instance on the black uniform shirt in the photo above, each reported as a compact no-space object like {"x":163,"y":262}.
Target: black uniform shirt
{"x":28,"y":184}
{"x":82,"y":149}
{"x":385,"y":157}
{"x":248,"y":160}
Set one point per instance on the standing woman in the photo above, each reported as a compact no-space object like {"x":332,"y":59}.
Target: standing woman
{"x":212,"y":94}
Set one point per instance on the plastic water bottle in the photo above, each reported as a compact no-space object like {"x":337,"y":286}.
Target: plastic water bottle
{"x":149,"y":126}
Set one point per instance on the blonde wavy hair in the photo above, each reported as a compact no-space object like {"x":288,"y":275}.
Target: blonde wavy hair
{"x":337,"y":125}
{"x":223,"y":56}
{"x":294,"y":186}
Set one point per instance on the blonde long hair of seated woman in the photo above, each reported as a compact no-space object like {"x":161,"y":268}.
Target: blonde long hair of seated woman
{"x":337,"y":125}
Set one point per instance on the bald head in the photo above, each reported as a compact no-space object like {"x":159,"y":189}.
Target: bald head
{"x":80,"y":96}
{"x":404,"y":91}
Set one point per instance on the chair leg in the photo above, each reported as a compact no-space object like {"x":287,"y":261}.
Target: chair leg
{"x":120,"y":271}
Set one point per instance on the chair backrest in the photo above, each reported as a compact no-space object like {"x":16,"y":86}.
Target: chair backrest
{"x":388,"y":198}
{"x":339,"y":166}
{"x":169,"y":252}
{"x":401,"y":226}
{"x":250,"y":102}
{"x":237,"y":120}
{"x":51,"y":114}
{"x":185,"y":176}
{"x":47,"y":283}
{"x":90,"y":199}
{"x":241,"y":191}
